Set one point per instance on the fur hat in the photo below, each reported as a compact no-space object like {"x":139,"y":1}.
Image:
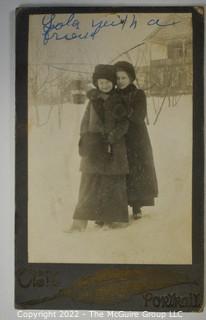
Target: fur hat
{"x":104,"y":71}
{"x":127,"y":67}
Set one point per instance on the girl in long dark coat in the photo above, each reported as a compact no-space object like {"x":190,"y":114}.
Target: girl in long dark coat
{"x":104,"y":164}
{"x":141,"y":182}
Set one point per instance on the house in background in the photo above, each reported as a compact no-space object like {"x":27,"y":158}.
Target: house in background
{"x":167,"y":65}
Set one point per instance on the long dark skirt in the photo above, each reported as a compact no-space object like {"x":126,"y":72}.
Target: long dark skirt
{"x":103,"y":198}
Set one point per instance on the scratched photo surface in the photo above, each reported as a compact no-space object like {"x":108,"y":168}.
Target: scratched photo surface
{"x":63,"y":52}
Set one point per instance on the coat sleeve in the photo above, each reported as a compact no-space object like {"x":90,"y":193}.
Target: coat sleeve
{"x":139,"y":106}
{"x":85,"y":120}
{"x":119,"y":131}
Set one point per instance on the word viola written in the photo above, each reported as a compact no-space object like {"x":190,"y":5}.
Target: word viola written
{"x":70,"y":28}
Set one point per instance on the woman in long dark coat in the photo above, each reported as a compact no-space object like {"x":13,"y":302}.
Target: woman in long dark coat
{"x":142,"y":185}
{"x":104,"y":164}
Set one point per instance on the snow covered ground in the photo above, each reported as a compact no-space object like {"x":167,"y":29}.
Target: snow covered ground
{"x":162,"y":236}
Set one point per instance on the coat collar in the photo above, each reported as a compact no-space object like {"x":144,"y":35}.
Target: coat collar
{"x":95,"y":94}
{"x":130,"y":88}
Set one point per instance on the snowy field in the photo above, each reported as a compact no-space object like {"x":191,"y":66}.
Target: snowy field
{"x":162,"y":236}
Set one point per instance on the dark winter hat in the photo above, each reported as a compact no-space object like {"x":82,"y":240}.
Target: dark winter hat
{"x":104,"y":71}
{"x":127,"y":67}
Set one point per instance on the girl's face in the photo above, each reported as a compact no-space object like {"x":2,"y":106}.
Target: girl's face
{"x":104,"y":85}
{"x":123,"y":79}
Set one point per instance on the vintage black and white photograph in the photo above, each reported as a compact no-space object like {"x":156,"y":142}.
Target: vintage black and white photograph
{"x":109,"y":166}
{"x":110,"y":117}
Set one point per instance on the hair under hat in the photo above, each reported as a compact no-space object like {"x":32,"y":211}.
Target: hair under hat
{"x":127,"y":67}
{"x":104,"y":71}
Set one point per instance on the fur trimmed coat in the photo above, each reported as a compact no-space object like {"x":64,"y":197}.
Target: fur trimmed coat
{"x":103,"y":192}
{"x":107,"y":116}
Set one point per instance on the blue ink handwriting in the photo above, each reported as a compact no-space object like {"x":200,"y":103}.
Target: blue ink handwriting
{"x":59,"y":30}
{"x":51,"y":28}
{"x":157,"y":22}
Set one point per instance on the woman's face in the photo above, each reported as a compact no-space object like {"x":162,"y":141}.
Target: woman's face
{"x":104,"y":85}
{"x":123,"y":79}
